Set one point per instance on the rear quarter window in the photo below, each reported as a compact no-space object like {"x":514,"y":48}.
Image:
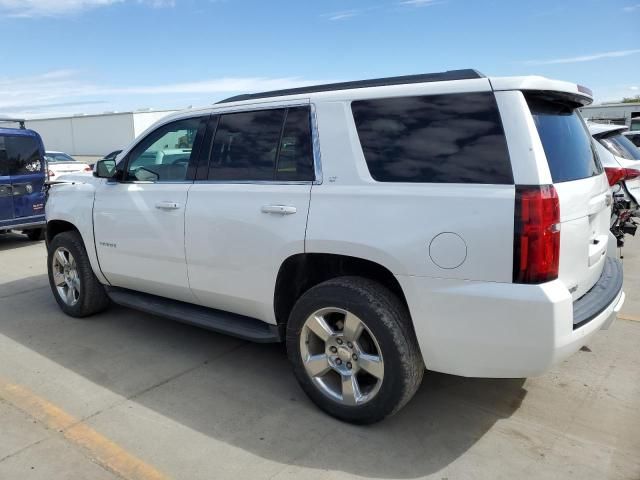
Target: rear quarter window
{"x":453,"y":138}
{"x":565,"y":139}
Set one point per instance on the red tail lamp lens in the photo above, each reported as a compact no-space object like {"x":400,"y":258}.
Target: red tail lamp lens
{"x":536,"y":234}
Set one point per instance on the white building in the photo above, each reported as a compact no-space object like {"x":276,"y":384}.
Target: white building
{"x":615,"y":113}
{"x":93,"y":135}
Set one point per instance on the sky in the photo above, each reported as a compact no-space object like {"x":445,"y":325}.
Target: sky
{"x":65,"y":57}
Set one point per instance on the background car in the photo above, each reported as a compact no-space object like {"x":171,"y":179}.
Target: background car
{"x":60,"y":163}
{"x":623,"y":173}
{"x":625,"y":155}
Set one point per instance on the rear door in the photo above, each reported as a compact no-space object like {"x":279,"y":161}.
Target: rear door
{"x":247,"y":210}
{"x":21,"y":177}
{"x":26,"y":163}
{"x":6,"y":196}
{"x":582,"y":189}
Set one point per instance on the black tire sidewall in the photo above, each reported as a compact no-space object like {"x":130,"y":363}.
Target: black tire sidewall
{"x":382,"y":320}
{"x":36,"y":234}
{"x":72,"y":241}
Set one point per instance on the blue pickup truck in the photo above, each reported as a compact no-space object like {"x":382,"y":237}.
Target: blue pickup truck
{"x":22,"y":182}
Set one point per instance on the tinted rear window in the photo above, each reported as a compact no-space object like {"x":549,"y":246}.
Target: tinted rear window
{"x":566,"y":140}
{"x":620,"y":145}
{"x":246,"y":145}
{"x":19,"y":155}
{"x":635,"y":139}
{"x":455,"y":138}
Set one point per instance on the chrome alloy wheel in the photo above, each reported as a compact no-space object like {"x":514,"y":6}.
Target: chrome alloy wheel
{"x":65,"y":276}
{"x":341,"y":356}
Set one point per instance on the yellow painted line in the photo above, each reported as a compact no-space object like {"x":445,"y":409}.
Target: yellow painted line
{"x":99,"y":448}
{"x":633,"y":318}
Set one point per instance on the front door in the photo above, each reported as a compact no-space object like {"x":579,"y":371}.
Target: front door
{"x":139,"y":219}
{"x":249,"y":211}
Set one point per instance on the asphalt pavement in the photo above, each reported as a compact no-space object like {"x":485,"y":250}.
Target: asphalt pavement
{"x":129,"y":395}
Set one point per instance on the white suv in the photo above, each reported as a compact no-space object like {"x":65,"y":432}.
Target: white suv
{"x":448,"y":221}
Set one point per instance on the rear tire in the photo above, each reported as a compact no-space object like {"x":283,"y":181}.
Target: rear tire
{"x":353,"y":349}
{"x":73,"y":283}
{"x":35,"y":234}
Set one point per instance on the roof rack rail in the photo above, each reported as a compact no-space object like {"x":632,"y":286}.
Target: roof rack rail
{"x":19,"y":121}
{"x":466,"y":74}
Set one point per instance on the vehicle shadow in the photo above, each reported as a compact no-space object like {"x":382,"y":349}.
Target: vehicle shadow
{"x":245,"y":395}
{"x":10,"y":241}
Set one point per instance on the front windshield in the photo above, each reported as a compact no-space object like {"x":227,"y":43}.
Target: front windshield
{"x":621,"y":146}
{"x":59,"y":157}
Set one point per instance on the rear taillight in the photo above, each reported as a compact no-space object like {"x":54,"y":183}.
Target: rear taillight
{"x":51,"y":174}
{"x":618,"y":174}
{"x":631,"y":173}
{"x":88,"y":169}
{"x":536,"y":254}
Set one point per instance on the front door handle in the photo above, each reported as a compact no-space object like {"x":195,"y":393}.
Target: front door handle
{"x":279,"y":209}
{"x":167,"y":205}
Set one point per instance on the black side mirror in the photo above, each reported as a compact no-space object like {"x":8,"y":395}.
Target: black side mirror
{"x":145,"y":175}
{"x":105,"y":168}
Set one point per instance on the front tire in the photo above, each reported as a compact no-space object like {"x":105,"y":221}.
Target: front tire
{"x":73,"y":283}
{"x":353,"y":349}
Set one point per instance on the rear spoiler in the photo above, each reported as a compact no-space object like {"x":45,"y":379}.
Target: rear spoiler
{"x":577,"y":94}
{"x":598,"y":130}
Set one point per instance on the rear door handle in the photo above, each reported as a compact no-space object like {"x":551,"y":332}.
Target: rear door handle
{"x":279,"y":209}
{"x":167,"y":205}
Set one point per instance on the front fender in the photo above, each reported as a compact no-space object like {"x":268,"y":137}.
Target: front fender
{"x":73,"y":203}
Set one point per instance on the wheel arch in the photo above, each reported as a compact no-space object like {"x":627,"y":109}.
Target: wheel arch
{"x":56,"y":227}
{"x":300,"y":272}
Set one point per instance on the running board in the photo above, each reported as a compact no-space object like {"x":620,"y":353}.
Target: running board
{"x":219,"y":321}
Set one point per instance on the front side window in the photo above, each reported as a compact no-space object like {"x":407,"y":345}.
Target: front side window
{"x":165,"y":154}
{"x":454,"y":138}
{"x":263,"y":145}
{"x":20,"y":155}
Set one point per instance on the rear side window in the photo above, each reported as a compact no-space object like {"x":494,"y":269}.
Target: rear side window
{"x":245,"y":145}
{"x":454,"y":138}
{"x":19,"y":155}
{"x":263,"y":145}
{"x":295,"y":159}
{"x":4,"y":159}
{"x":566,"y":140}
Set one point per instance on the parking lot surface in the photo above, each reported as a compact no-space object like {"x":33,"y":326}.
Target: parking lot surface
{"x":128,"y":395}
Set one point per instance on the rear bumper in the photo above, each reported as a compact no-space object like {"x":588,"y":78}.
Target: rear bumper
{"x":484,"y":329}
